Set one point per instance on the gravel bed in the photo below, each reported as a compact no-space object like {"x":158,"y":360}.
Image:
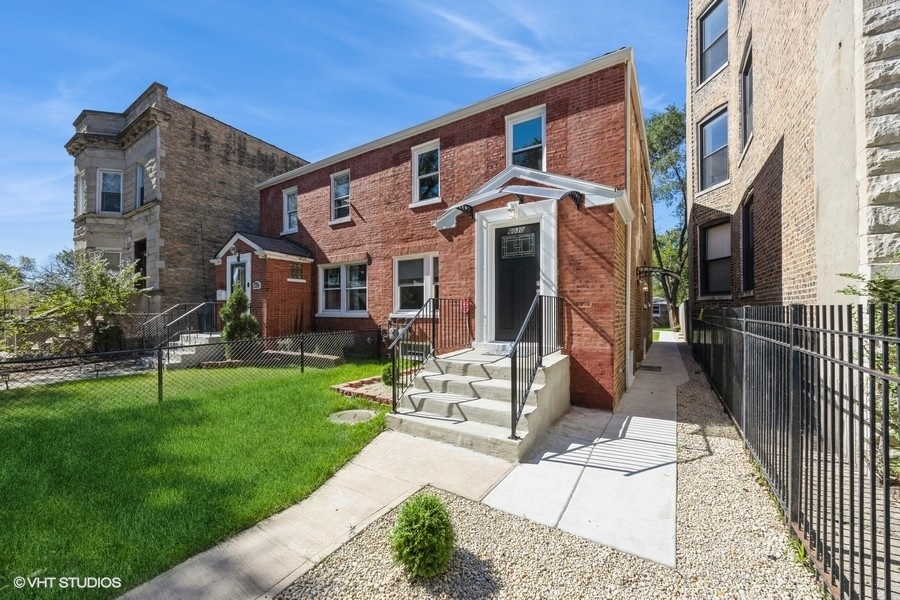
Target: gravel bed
{"x":731,"y":540}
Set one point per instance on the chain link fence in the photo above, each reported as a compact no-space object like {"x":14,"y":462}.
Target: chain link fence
{"x":63,"y":384}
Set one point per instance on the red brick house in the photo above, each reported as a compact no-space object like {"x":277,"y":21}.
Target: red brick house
{"x":553,"y":174}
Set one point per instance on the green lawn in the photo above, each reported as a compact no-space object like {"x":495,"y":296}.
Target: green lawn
{"x":132,"y":488}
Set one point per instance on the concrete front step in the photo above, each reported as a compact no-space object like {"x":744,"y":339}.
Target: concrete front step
{"x":463,"y":408}
{"x":469,"y":386}
{"x":486,"y":439}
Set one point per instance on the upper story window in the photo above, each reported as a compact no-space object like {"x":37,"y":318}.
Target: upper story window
{"x":340,"y":196}
{"x":139,"y":179}
{"x":426,"y":164}
{"x":714,"y":150}
{"x":713,"y":39}
{"x":416,"y":281}
{"x":748,"y":245}
{"x":80,"y":193}
{"x":289,"y":210}
{"x":747,"y":98}
{"x":715,"y":259}
{"x":110,"y":185}
{"x":343,"y":289}
{"x":525,"y":139}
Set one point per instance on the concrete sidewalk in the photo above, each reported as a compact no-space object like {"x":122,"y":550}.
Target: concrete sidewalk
{"x":602,"y":476}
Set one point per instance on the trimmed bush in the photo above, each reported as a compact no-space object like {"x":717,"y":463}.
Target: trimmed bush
{"x":387,"y":374}
{"x":422,"y":540}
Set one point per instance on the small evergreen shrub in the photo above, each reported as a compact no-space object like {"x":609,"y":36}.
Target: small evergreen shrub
{"x":238,"y":323}
{"x":387,"y":373}
{"x":422,"y":540}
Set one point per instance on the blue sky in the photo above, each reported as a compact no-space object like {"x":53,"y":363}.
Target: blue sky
{"x":313,"y":78}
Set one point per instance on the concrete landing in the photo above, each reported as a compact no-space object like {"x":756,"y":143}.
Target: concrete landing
{"x":609,"y":477}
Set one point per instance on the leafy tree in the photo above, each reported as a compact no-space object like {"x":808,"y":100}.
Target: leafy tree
{"x":238,"y":323}
{"x":78,"y":293}
{"x":666,"y":144}
{"x":14,"y":274}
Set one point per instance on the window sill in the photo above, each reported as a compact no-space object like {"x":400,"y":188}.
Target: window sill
{"x":714,"y":297}
{"x":288,"y":232}
{"x":744,"y":151}
{"x":428,"y":202}
{"x":339,"y":221}
{"x":747,"y":294}
{"x":296,"y":280}
{"x":713,"y":188}
{"x":703,"y":83}
{"x":342,"y":315}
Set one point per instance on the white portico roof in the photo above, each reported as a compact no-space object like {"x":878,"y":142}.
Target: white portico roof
{"x":552,"y":186}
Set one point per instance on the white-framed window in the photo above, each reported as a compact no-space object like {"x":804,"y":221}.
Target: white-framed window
{"x":80,"y":193}
{"x":109,"y":191}
{"x":525,"y":134}
{"x":416,"y":281}
{"x":747,"y":98}
{"x":296,"y":272}
{"x":714,"y":150}
{"x":340,"y":196}
{"x":426,"y":169}
{"x":657,"y":310}
{"x":140,"y":176}
{"x":713,"y":31}
{"x":290,"y":222}
{"x":343,"y":289}
{"x":113,"y":258}
{"x":715,"y":259}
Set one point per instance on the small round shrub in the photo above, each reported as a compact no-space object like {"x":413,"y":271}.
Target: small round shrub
{"x":422,"y":540}
{"x":387,"y":374}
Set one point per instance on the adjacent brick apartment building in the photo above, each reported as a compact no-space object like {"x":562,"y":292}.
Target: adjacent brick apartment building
{"x":792,"y":140}
{"x":541,"y":188}
{"x":165,"y":185}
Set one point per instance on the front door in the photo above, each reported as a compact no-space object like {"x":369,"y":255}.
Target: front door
{"x":239,"y":274}
{"x":517,"y":275}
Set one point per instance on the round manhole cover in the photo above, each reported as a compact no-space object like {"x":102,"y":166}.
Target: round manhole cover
{"x":351,"y":416}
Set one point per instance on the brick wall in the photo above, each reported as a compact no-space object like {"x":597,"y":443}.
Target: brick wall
{"x":207,"y":193}
{"x":585,"y":138}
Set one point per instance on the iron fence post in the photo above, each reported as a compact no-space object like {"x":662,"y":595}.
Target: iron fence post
{"x":540,"y":325}
{"x":159,"y":374}
{"x":434,"y":318}
{"x":512,"y":394}
{"x":394,"y":379}
{"x":302,"y":353}
{"x":745,"y":377}
{"x":796,"y":312}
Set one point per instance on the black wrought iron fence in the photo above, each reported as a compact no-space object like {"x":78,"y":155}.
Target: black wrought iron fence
{"x":814,"y":392}
{"x":441,"y":325}
{"x":59,"y":385}
{"x":539,"y":336}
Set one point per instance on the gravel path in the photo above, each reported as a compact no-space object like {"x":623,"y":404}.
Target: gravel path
{"x":731,"y":540}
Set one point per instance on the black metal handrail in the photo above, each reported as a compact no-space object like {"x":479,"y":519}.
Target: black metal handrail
{"x":538,"y":337}
{"x":441,"y":325}
{"x":198,"y":319}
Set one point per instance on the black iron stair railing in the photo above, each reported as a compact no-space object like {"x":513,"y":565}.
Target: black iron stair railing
{"x":538,"y":337}
{"x":441,"y":325}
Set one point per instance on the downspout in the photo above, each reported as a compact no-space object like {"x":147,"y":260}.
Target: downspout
{"x":629,"y":355}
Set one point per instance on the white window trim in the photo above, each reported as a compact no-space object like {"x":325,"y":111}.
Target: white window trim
{"x":428,"y":282}
{"x":140,"y":181}
{"x":699,"y":30}
{"x":99,"y":194}
{"x":80,"y":193}
{"x":416,"y":151}
{"x":284,"y":210}
{"x":521,"y":117}
{"x":331,"y":197}
{"x":342,"y":312}
{"x":712,"y":115}
{"x":748,"y":57}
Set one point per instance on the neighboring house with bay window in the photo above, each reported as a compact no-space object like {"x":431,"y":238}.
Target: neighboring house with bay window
{"x":541,"y":189}
{"x":164,"y":185}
